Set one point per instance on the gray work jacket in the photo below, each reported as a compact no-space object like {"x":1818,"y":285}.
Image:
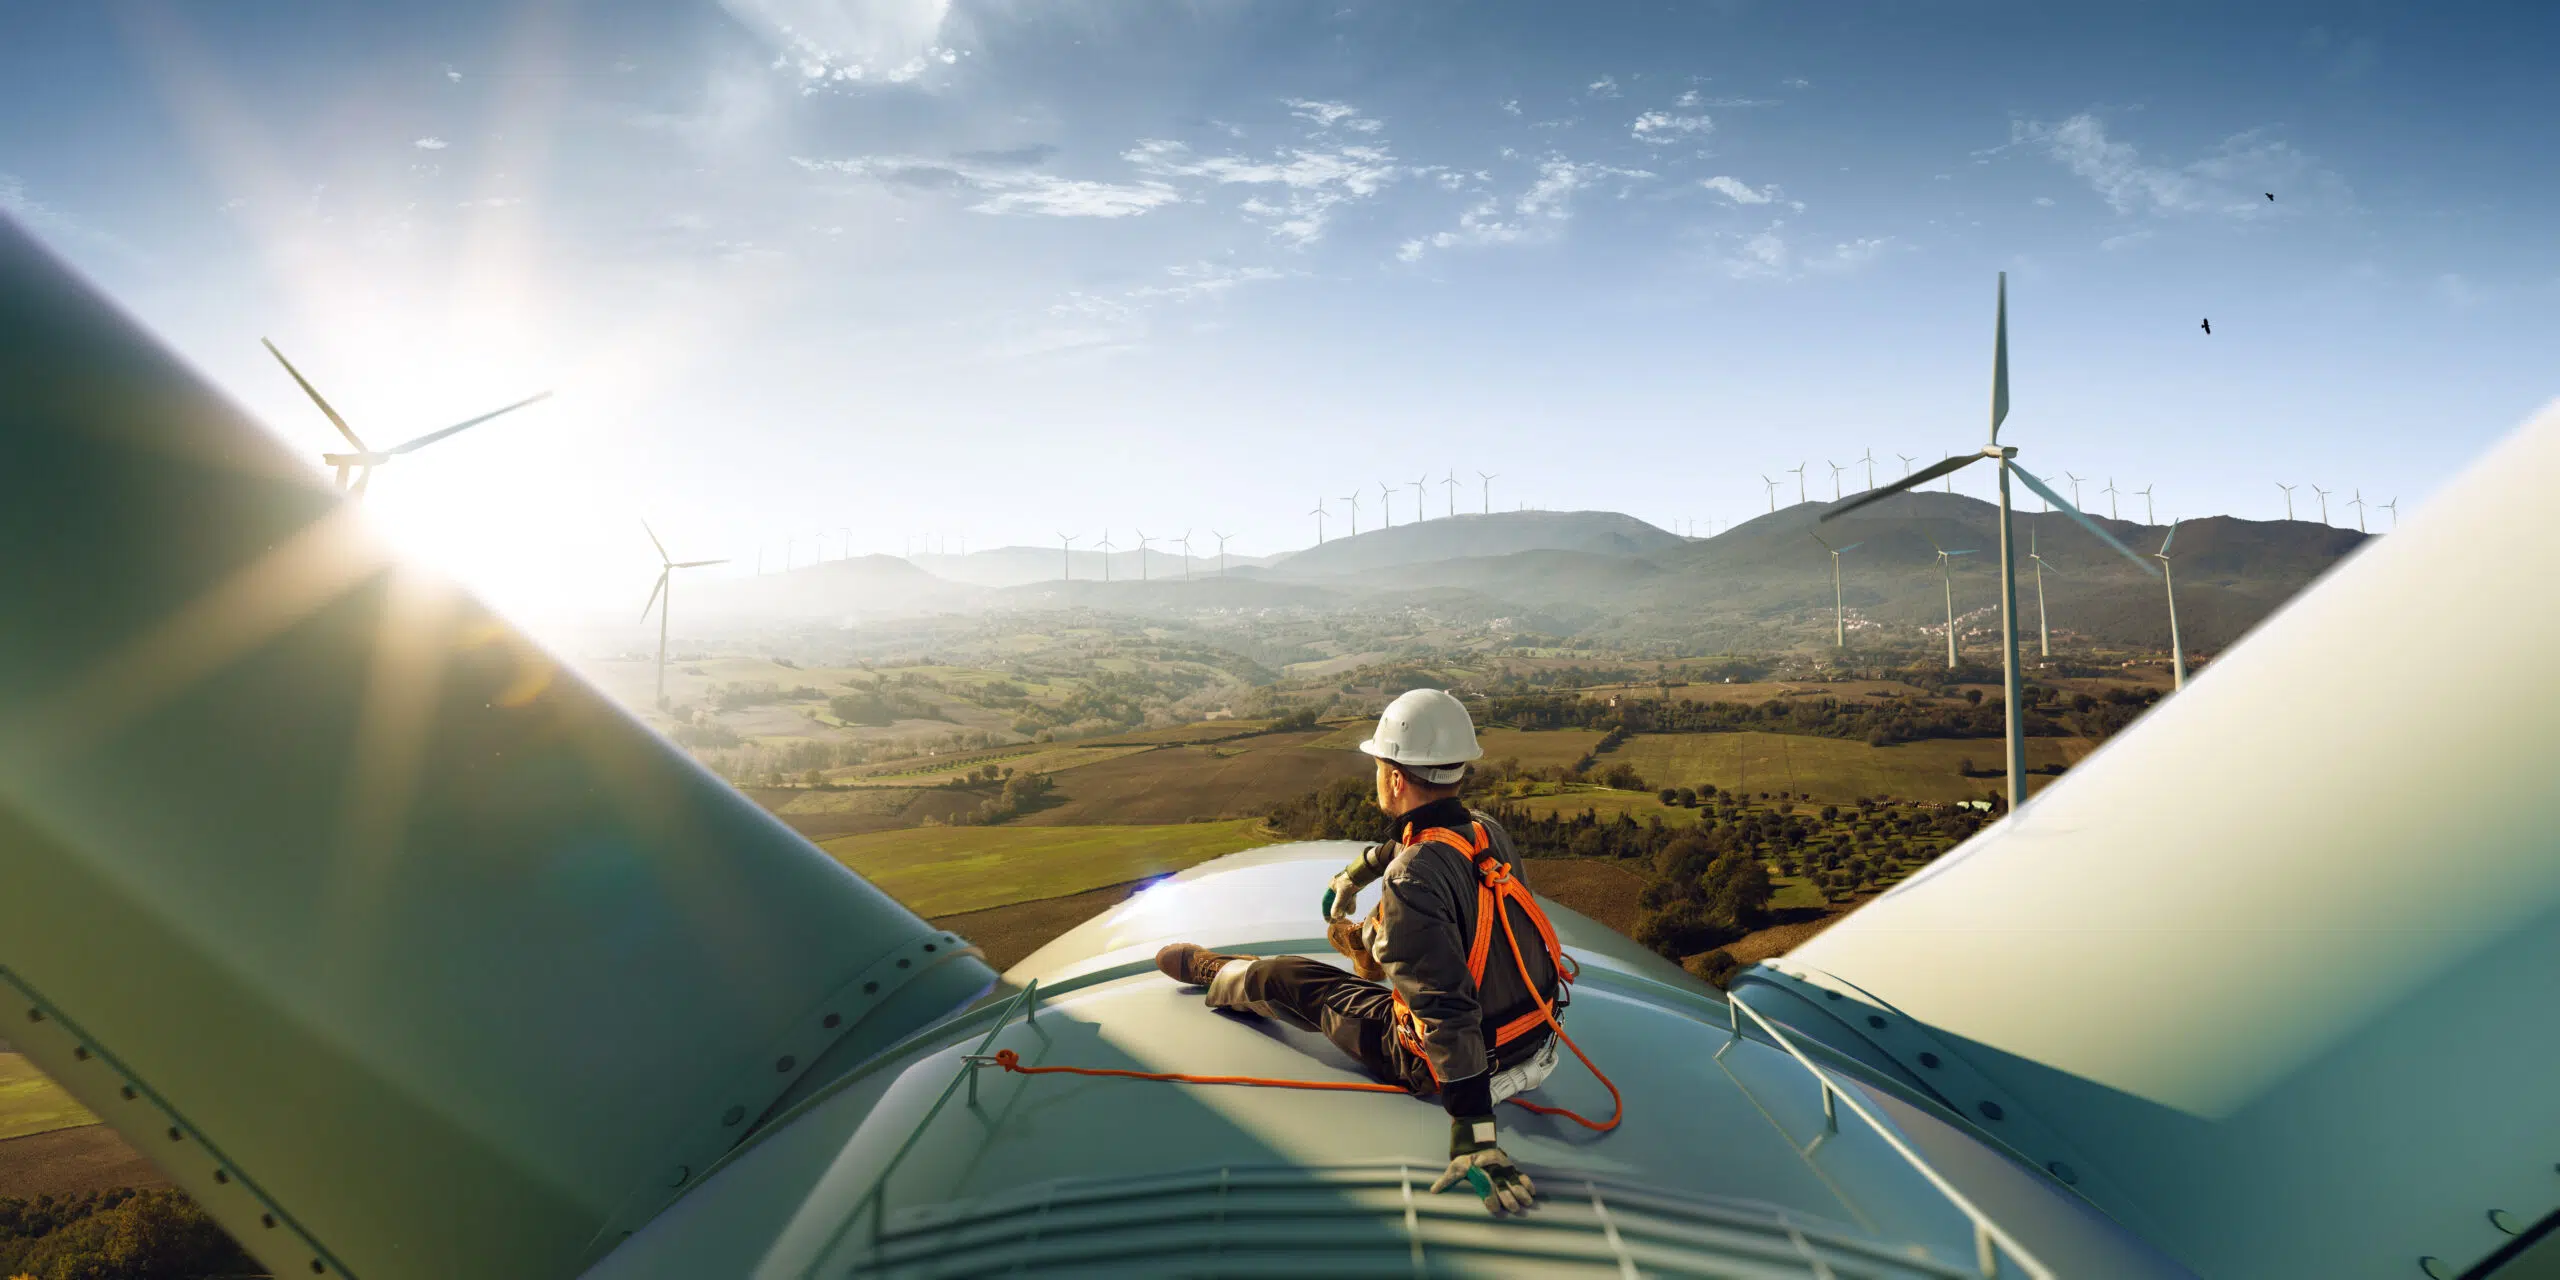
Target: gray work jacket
{"x":1427,"y":923}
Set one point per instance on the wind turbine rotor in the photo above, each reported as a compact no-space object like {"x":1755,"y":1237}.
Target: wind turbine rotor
{"x":655,"y":592}
{"x":433,"y":436}
{"x":314,"y":392}
{"x":2045,"y":491}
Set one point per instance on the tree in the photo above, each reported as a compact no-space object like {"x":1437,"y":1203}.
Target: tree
{"x":1669,"y":796}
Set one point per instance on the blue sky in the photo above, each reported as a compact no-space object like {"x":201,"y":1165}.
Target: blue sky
{"x":997,"y":270}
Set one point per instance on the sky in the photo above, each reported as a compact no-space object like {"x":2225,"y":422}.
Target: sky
{"x":997,"y":270}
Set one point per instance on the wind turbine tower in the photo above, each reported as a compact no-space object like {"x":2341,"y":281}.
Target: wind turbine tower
{"x":2393,"y":507}
{"x":1222,"y":550}
{"x":1870,"y":460}
{"x":1354,"y":499}
{"x":1907,"y":460}
{"x":2177,"y":650}
{"x":1773,"y":493}
{"x":365,"y":459}
{"x":1185,"y":540}
{"x":2111,"y":492}
{"x":1835,"y":478}
{"x":1839,"y":603}
{"x":2044,"y":633}
{"x":1451,"y":484}
{"x":2324,"y":503}
{"x":1421,"y":491}
{"x":1066,"y":558}
{"x":1800,"y":495}
{"x":2075,"y":487}
{"x":2148,"y":514}
{"x":1143,"y":540}
{"x":1488,"y":489}
{"x":2006,"y":458}
{"x":1106,"y":548}
{"x":1387,"y":504}
{"x":1318,"y":513}
{"x":1947,"y":579}
{"x":661,"y":598}
{"x":2288,"y":499}
{"x":2358,"y":504}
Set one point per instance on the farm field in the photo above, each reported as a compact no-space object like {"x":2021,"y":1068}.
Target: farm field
{"x":1023,"y":759}
{"x":1830,"y":768}
{"x":1762,"y":691}
{"x":30,"y":1103}
{"x":1607,"y":804}
{"x":1242,"y":779}
{"x":941,"y":871}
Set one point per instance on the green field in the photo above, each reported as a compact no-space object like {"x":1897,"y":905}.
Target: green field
{"x":1830,"y":768}
{"x":1606,"y":803}
{"x":940,"y":871}
{"x":30,"y":1103}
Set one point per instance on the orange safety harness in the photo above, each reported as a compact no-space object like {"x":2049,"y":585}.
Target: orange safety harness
{"x":1496,"y":888}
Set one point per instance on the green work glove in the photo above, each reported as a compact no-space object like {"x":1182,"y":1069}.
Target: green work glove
{"x":1342,"y":893}
{"x":1476,"y":1160}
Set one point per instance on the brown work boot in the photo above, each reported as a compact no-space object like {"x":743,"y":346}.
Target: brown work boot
{"x":1192,"y":963}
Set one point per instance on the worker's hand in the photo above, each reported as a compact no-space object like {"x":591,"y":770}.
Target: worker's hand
{"x":1341,"y":896}
{"x":1475,"y":1159}
{"x":1342,"y":893}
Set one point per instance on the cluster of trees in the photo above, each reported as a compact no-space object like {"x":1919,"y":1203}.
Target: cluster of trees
{"x":805,"y":760}
{"x":882,"y":703}
{"x":1878,"y":722}
{"x":1344,"y":810}
{"x":1015,"y":795}
{"x":758,"y":693}
{"x":126,"y":1234}
{"x":1709,"y":889}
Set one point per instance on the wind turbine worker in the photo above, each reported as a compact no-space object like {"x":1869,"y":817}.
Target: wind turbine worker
{"x":1419,"y":1015}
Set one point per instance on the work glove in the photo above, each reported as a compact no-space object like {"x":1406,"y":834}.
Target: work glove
{"x":1476,"y":1160}
{"x":1342,"y":893}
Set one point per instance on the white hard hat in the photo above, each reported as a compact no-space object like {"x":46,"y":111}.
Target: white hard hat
{"x":1428,"y":732}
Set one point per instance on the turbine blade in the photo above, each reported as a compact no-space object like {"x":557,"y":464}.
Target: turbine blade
{"x":696,"y":564}
{"x":653,"y":595}
{"x":314,"y":393}
{"x":2000,"y":362}
{"x":653,"y":541}
{"x":2173,"y":536}
{"x":2045,"y":491}
{"x":364,"y":476}
{"x":1914,"y":480}
{"x":1825,"y":545}
{"x":1852,"y":547}
{"x":1966,"y":552}
{"x":433,"y":436}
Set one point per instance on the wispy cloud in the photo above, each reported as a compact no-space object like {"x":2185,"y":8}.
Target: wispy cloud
{"x":1327,"y":115}
{"x":1772,"y":255}
{"x":2229,"y":182}
{"x":1797,"y":82}
{"x":430,"y":144}
{"x":1660,"y":128}
{"x":1604,"y":87}
{"x":1511,"y":107}
{"x":451,"y":75}
{"x":1738,"y":191}
{"x":836,"y":43}
{"x":1006,"y":189}
{"x":1309,"y":184}
{"x":1688,"y":99}
{"x":1536,"y":215}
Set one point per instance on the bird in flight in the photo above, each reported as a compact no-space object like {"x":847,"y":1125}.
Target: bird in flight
{"x":2271,"y":197}
{"x":2208,"y":326}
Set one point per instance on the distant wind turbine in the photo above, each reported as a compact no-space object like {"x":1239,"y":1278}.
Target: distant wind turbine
{"x":1185,"y":540}
{"x":1452,"y":485}
{"x":2044,"y":633}
{"x":2358,"y":504}
{"x":1907,"y":460}
{"x":662,"y":598}
{"x":2324,"y":503}
{"x":1870,"y":460}
{"x":1066,"y":557}
{"x":1222,"y":550}
{"x":1773,"y":493}
{"x":1488,"y":490}
{"x":2288,"y":499}
{"x":1947,"y":578}
{"x":1421,"y":490}
{"x":2075,"y":487}
{"x":1387,"y":504}
{"x":2005,"y":457}
{"x":2148,"y":516}
{"x":1800,"y":494}
{"x":1839,"y":603}
{"x":1354,"y":499}
{"x":1836,"y":469}
{"x":2177,"y":651}
{"x":2111,"y":491}
{"x":2393,"y":507}
{"x":1106,"y":548}
{"x":1143,"y":540}
{"x":365,"y":459}
{"x":1318,"y":513}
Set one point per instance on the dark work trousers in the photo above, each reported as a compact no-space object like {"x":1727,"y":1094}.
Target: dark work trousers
{"x":1357,"y":1015}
